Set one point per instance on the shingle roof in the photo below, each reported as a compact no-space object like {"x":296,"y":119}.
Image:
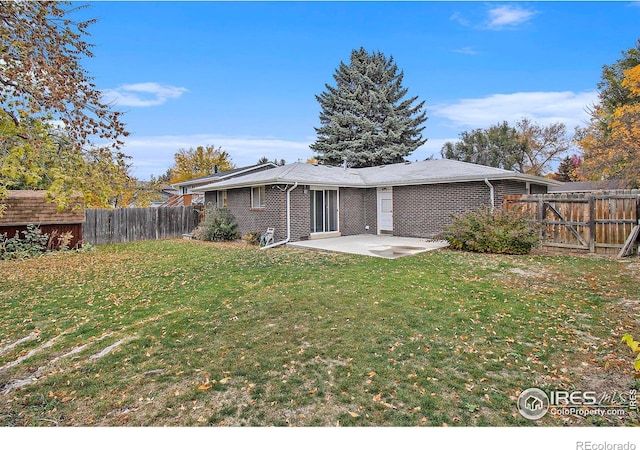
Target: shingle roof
{"x":222,"y":175}
{"x":584,"y":186}
{"x":421,"y":172}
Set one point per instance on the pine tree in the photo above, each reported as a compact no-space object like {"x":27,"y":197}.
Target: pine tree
{"x":365,"y":118}
{"x":568,"y":169}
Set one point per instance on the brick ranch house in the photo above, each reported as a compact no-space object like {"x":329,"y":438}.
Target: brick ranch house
{"x":417,"y":199}
{"x":185,"y":194}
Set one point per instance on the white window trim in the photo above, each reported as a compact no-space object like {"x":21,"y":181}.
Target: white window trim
{"x":262,"y":190}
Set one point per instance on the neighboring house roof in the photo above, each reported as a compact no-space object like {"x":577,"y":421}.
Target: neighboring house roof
{"x":584,"y":186}
{"x":223,"y":175}
{"x":24,"y":207}
{"x":421,"y":172}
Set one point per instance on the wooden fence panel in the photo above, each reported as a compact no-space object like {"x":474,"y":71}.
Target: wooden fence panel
{"x":111,"y":226}
{"x":597,"y":222}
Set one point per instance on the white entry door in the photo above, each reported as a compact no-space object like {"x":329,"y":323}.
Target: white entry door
{"x":385,"y":210}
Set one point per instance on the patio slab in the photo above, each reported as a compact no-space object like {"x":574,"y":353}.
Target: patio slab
{"x":380,"y":246}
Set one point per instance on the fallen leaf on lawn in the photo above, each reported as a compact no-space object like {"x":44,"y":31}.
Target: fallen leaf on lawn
{"x":224,"y":380}
{"x":204,"y":387}
{"x":354,"y":415}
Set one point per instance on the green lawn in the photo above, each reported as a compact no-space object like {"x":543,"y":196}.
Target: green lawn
{"x":187,"y":333}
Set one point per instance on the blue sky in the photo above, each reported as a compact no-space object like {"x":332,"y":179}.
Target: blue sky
{"x":243,"y":75}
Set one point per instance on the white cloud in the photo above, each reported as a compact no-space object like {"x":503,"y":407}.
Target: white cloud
{"x":142,"y":94}
{"x":466,"y":51}
{"x":508,"y":16}
{"x":154,"y":154}
{"x":543,"y":107}
{"x":457,"y":17}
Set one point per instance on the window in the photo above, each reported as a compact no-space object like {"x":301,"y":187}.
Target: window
{"x":257,"y":197}
{"x":221,"y":199}
{"x":324,"y":210}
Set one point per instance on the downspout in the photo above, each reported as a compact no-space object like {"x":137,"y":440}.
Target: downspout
{"x":295,"y":185}
{"x":492,"y":193}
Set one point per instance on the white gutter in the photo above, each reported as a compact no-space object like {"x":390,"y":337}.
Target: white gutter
{"x":295,"y":185}
{"x":492,"y":193}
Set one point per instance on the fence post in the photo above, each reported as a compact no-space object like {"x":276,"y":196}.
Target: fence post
{"x":541,"y":208}
{"x":592,"y":223}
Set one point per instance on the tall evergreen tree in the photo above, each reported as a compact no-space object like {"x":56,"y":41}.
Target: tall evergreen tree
{"x":365,"y":118}
{"x":568,"y":169}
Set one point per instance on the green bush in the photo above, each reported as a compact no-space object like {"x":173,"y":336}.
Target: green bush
{"x":485,"y":231}
{"x":219,"y":225}
{"x":34,"y":243}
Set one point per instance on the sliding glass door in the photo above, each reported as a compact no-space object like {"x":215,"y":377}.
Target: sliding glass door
{"x":324,"y":210}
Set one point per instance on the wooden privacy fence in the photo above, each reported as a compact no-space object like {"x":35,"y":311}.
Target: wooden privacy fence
{"x":594,"y":222}
{"x":110,"y":226}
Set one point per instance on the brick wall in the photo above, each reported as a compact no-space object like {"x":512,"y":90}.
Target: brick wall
{"x":507,"y":187}
{"x":300,"y":213}
{"x":357,"y":210}
{"x":424,"y":210}
{"x":249,"y":219}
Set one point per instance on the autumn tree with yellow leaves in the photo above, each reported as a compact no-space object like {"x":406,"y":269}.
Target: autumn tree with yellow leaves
{"x":56,"y":133}
{"x":611,"y":142}
{"x":198,"y":162}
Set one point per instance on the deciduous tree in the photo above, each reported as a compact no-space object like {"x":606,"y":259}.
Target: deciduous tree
{"x":198,"y":162}
{"x":497,"y":146}
{"x":528,"y":147}
{"x":611,"y":142}
{"x":544,"y":145}
{"x":612,"y":92}
{"x":38,"y":155}
{"x":42,"y":82}
{"x":367,"y":118}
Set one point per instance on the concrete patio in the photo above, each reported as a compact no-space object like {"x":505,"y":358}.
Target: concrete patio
{"x":380,"y":246}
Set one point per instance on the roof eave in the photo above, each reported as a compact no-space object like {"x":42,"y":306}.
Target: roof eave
{"x":363,"y":185}
{"x":468,"y":179}
{"x":225,"y":186}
